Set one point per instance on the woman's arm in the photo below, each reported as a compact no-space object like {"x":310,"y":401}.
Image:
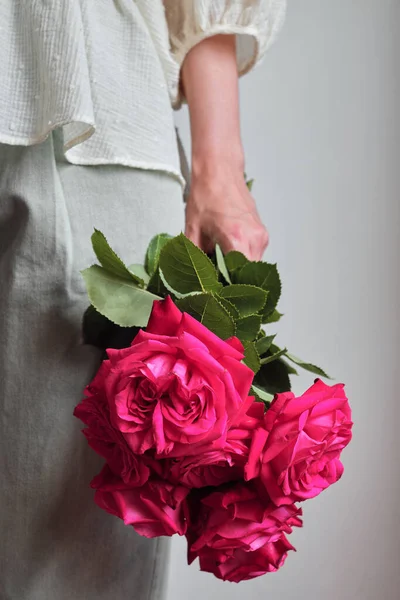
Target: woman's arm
{"x":220,"y":209}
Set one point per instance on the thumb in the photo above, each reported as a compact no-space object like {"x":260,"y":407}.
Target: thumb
{"x":193,"y":233}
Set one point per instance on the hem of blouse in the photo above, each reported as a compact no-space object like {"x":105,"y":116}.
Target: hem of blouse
{"x":14,"y":140}
{"x":128,"y":162}
{"x":177,"y":97}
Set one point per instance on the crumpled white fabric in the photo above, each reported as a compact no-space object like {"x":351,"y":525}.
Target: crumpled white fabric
{"x":256,"y":24}
{"x":107,"y":71}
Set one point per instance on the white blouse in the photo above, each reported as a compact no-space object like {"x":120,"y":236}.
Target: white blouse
{"x":107,"y":71}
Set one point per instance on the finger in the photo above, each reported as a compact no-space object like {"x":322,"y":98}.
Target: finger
{"x":196,"y":235}
{"x":207,"y":245}
{"x":258,"y":244}
{"x":193,"y":233}
{"x":229,"y":242}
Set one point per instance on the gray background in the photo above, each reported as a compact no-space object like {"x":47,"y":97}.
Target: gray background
{"x":321,"y":131}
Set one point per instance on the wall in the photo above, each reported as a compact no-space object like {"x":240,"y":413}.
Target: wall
{"x":322,"y":132}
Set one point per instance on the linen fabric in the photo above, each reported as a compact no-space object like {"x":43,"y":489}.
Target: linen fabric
{"x":107,"y":71}
{"x":55,"y":542}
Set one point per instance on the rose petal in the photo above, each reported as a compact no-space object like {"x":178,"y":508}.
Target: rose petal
{"x":236,"y":344}
{"x":216,"y":346}
{"x":154,"y":509}
{"x":165,"y":318}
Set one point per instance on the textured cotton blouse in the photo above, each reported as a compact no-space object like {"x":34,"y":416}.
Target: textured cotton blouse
{"x":107,"y":71}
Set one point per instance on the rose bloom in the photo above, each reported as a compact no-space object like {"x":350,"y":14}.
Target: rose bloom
{"x":216,"y":467}
{"x":104,"y":439}
{"x":154,"y":509}
{"x":296,"y":452}
{"x":178,"y":388}
{"x":239,"y":534}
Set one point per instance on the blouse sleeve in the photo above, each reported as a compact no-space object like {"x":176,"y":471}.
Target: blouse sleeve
{"x":256,"y":24}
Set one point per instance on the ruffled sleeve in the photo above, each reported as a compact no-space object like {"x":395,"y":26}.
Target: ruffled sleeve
{"x":256,"y":24}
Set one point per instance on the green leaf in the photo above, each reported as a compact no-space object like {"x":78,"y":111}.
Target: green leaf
{"x":118,"y":299}
{"x":273,"y":317}
{"x":251,"y":358}
{"x":153,"y":251}
{"x":140,"y":272}
{"x":264,"y":343}
{"x":156,"y":286}
{"x":289,"y":368}
{"x":206,"y":309}
{"x":248,"y":327}
{"x":99,"y":331}
{"x":235,"y":260}
{"x":95,"y":328}
{"x":273,"y":378}
{"x":262,"y":395}
{"x":272,"y":357}
{"x":265,"y":276}
{"x":229,"y":307}
{"x":248,"y":299}
{"x":168,"y":287}
{"x":221,"y":264}
{"x":109,"y":260}
{"x":249,"y":184}
{"x":307,"y":366}
{"x":186,"y":268}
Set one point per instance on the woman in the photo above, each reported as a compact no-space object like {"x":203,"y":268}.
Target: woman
{"x":87,"y":140}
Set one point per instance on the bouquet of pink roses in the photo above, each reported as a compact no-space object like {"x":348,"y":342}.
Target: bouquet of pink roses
{"x":192,"y":411}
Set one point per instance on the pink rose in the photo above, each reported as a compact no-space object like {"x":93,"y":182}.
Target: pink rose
{"x":154,"y":509}
{"x":209,"y":468}
{"x":104,"y":438}
{"x":178,"y":388}
{"x":215,"y":467}
{"x":239,"y":565}
{"x":296,"y":453}
{"x":239,"y":534}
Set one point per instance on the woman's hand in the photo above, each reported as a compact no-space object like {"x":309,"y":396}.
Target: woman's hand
{"x":220,"y":208}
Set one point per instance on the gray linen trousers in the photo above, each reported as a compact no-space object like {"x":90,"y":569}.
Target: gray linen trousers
{"x":56,"y":544}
